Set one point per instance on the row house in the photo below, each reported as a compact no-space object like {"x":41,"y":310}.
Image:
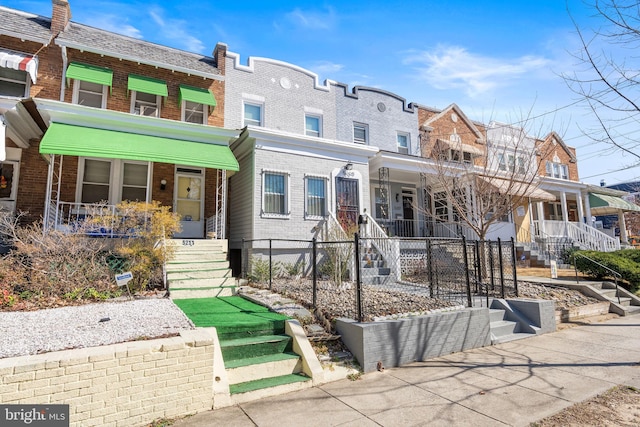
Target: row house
{"x":90,"y":117}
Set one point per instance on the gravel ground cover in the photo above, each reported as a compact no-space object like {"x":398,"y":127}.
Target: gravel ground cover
{"x":33,"y":332}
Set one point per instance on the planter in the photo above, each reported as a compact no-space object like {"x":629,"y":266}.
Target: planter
{"x":571,"y":314}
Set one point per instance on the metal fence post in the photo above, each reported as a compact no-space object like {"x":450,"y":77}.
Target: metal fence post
{"x":491,"y":267}
{"x":270,"y":265}
{"x":430,"y":267}
{"x":243,"y":257}
{"x":314,"y":260}
{"x":356,"y":242}
{"x":513,"y":261}
{"x":501,"y":268}
{"x":466,"y":270}
{"x":477,"y":265}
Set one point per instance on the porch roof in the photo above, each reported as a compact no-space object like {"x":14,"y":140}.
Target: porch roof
{"x":76,"y":140}
{"x":604,"y":204}
{"x":516,"y":188}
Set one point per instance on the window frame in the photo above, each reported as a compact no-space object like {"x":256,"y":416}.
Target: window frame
{"x":205,"y":112}
{"x":325,"y":181}
{"x":27,"y":83}
{"x":376,"y":203}
{"x":287,"y":191}
{"x":260,"y":105}
{"x":77,"y":89}
{"x":134,"y":99}
{"x":316,"y":117}
{"x":116,"y":178}
{"x":407,"y":139}
{"x":365,"y":129}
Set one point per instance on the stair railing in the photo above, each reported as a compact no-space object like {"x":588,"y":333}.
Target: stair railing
{"x":616,"y":275}
{"x":389,"y":248}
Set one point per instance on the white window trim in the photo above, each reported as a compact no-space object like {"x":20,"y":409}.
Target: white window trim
{"x":326,"y":196}
{"x":315,"y":116}
{"x":406,"y":135}
{"x":134,"y":94}
{"x":76,"y":93}
{"x":116,"y":178}
{"x":366,"y":133}
{"x":287,"y":194}
{"x":205,"y":112}
{"x":374,"y":213}
{"x":27,"y":83}
{"x":257,"y":104}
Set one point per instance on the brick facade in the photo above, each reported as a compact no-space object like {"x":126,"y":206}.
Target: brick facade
{"x":552,"y":148}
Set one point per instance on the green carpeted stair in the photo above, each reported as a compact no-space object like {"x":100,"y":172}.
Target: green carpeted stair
{"x":257,"y":353}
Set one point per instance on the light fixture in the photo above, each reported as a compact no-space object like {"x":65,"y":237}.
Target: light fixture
{"x":163,"y":184}
{"x":397,"y":197}
{"x":349,"y":166}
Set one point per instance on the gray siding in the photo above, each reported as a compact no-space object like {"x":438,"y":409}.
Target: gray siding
{"x":240,"y":203}
{"x":286,"y":90}
{"x":383,"y":125}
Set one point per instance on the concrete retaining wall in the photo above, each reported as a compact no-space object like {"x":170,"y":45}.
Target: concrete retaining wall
{"x":128,"y":384}
{"x":402,"y":341}
{"x":576,"y":313}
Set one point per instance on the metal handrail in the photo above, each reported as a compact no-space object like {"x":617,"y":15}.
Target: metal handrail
{"x":616,"y":275}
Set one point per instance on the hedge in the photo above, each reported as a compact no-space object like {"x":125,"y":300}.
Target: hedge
{"x":625,"y":261}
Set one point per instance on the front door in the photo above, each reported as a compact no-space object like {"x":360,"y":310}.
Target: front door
{"x":407,"y":215}
{"x":189,"y":201}
{"x":8,"y":185}
{"x":347,"y":203}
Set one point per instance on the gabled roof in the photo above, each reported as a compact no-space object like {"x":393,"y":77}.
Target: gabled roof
{"x":462,"y":115}
{"x":565,"y":147}
{"x":25,"y":26}
{"x":89,"y":39}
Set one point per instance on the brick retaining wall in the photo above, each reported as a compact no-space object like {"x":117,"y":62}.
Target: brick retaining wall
{"x":124,"y":384}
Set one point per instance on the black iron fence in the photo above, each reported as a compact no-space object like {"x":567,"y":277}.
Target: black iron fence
{"x":368,"y":277}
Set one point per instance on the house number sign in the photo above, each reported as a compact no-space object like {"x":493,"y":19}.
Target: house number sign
{"x":188,"y":243}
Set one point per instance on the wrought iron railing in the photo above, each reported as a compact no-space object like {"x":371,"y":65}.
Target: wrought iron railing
{"x":615,"y":274}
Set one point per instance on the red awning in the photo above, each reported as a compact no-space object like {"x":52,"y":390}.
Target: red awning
{"x":19,"y":61}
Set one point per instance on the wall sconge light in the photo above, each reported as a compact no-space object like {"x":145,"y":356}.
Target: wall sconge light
{"x":163,"y":184}
{"x":397,"y":197}
{"x":349,"y":166}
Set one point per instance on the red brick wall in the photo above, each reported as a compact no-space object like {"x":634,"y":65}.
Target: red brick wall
{"x":548,"y":149}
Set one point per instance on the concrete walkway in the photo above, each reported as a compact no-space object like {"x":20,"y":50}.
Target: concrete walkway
{"x":513,"y":384}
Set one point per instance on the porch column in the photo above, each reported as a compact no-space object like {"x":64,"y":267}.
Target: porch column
{"x":623,"y":228}
{"x":565,"y":212}
{"x":587,"y":209}
{"x":541,"y":218}
{"x":581,"y":217}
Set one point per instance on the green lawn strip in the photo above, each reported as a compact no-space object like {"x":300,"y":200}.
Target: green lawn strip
{"x":267,"y":382}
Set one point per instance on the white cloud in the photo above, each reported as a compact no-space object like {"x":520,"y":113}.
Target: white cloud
{"x":453,"y":67}
{"x":114,"y":24}
{"x":326,"y":68}
{"x":175,"y":31}
{"x":312,"y":19}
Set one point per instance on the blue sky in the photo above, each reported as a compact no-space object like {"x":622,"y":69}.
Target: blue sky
{"x":497,"y":60}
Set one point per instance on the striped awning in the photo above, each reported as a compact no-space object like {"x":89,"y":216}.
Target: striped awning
{"x":19,"y":61}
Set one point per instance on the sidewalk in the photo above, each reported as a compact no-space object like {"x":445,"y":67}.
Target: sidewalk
{"x":512,"y":384}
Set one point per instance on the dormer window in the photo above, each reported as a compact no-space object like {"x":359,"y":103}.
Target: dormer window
{"x":146,"y":95}
{"x":90,"y":84}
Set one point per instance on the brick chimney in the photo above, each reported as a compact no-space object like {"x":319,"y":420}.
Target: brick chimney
{"x":220,"y":55}
{"x":60,"y":17}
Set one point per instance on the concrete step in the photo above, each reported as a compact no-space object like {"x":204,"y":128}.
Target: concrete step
{"x":632,"y":309}
{"x":213,"y":282}
{"x":194,"y":245}
{"x":255,"y":346}
{"x":259,"y":389}
{"x":623,"y":301}
{"x":202,"y":293}
{"x":608,"y":293}
{"x":198,"y":274}
{"x":510,"y":337}
{"x":269,"y":366}
{"x":502,"y":327}
{"x":196,"y":264}
{"x":198,"y":256}
{"x":496,"y":315}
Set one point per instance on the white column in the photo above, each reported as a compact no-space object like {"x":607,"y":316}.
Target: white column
{"x":623,"y":228}
{"x":565,"y":212}
{"x":580,"y":210}
{"x":587,"y":209}
{"x":541,"y":218}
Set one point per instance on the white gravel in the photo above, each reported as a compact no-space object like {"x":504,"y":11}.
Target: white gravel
{"x":33,"y":332}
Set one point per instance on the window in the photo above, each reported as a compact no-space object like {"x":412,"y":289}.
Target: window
{"x":113,"y":181}
{"x":312,"y":125}
{"x":274,"y":196}
{"x":557,"y":170}
{"x":466,"y":157}
{"x":403,"y":143}
{"x":14,"y":83}
{"x":360,"y":133}
{"x":194,"y":112}
{"x":316,"y":197}
{"x":382,"y":203}
{"x":145,"y":104}
{"x":502,"y":164}
{"x":89,"y":94}
{"x":252,"y":114}
{"x":441,"y":206}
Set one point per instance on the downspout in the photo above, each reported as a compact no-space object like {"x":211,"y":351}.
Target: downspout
{"x":63,"y":85}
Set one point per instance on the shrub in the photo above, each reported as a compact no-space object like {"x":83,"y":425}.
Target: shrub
{"x":623,"y":261}
{"x":258,"y":270}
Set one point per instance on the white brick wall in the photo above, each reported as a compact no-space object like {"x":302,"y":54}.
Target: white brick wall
{"x":124,"y":384}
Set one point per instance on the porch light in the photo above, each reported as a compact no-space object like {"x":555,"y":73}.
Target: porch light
{"x":349,"y":166}
{"x":163,"y":184}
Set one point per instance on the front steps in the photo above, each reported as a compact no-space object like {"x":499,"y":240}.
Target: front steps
{"x":622,"y":302}
{"x":199,"y":269}
{"x":503,"y":330}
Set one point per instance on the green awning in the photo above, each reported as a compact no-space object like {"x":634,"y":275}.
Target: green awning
{"x":197,"y":95}
{"x":91,"y":142}
{"x":147,"y":85}
{"x":603,"y":204}
{"x":90,"y":73}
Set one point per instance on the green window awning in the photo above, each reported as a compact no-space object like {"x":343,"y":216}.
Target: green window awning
{"x":197,"y":95}
{"x":90,"y":73}
{"x":91,"y":142}
{"x":147,"y":85}
{"x":603,"y":204}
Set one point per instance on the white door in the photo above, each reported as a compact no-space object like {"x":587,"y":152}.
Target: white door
{"x":189,"y":201}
